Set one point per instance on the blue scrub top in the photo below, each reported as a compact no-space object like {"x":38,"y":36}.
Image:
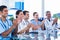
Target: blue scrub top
{"x":5,"y":26}
{"x":35,"y":23}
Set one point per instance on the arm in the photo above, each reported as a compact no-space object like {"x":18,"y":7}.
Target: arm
{"x":25,"y":29}
{"x":7,"y":32}
{"x":42,"y":24}
{"x":55,"y":21}
{"x":35,"y":27}
{"x":15,"y":31}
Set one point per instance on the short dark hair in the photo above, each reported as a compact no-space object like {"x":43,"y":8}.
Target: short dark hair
{"x":2,"y":7}
{"x":17,"y":12}
{"x":47,"y":12}
{"x":24,"y":12}
{"x":34,"y":13}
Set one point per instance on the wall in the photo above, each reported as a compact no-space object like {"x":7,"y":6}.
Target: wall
{"x":33,"y":6}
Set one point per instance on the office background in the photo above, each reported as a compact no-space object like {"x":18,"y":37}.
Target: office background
{"x":40,"y":6}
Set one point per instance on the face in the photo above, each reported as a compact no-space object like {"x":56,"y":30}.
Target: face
{"x":5,"y":12}
{"x":48,"y":15}
{"x":20,"y":16}
{"x":27,"y":15}
{"x":36,"y":16}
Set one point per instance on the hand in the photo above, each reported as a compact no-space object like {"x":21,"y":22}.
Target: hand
{"x":29,"y":25}
{"x":15,"y":23}
{"x":18,"y":20}
{"x":22,"y":31}
{"x":35,"y":27}
{"x":32,"y":25}
{"x":55,"y":20}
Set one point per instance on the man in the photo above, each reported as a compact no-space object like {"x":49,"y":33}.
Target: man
{"x":6,"y":26}
{"x":49,"y":22}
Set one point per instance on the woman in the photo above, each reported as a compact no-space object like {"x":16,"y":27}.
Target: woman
{"x":36,"y":26}
{"x":35,"y":22}
{"x":19,"y":17}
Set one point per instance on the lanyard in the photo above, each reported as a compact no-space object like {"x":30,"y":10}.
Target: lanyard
{"x":4,"y":25}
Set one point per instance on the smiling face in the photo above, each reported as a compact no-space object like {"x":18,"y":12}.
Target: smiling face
{"x":36,"y":16}
{"x":26,"y":15}
{"x":48,"y":15}
{"x":4,"y":12}
{"x":20,"y":15}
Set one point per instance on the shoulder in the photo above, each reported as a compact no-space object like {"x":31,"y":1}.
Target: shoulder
{"x":32,"y":20}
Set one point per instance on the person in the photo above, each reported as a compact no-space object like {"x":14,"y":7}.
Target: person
{"x":49,"y":22}
{"x":36,"y":22}
{"x":6,"y":26}
{"x":36,"y":26}
{"x":19,"y":17}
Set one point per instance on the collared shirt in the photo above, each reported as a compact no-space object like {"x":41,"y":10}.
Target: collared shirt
{"x":48,"y":24}
{"x":22,"y":25}
{"x":35,"y":23}
{"x":4,"y":26}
